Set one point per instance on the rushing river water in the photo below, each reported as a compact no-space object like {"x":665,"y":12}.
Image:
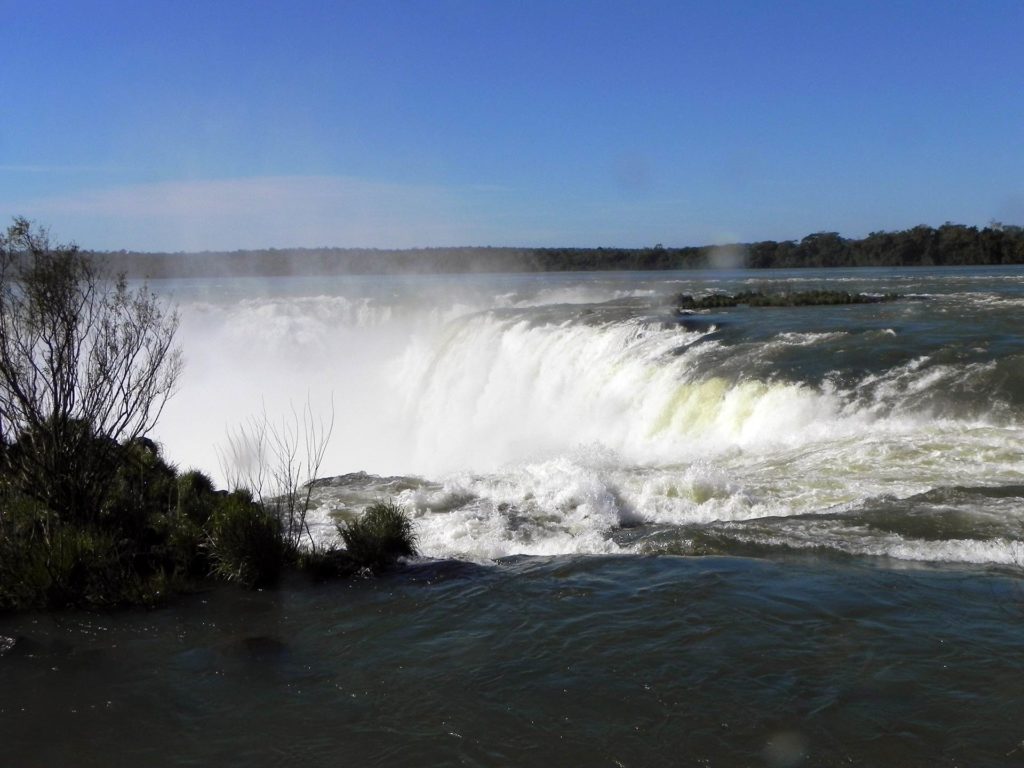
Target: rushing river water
{"x":844,"y":484}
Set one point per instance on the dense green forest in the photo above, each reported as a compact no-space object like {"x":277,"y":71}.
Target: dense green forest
{"x":948,"y":245}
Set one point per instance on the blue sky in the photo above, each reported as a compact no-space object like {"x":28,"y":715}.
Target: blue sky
{"x":189,"y":125}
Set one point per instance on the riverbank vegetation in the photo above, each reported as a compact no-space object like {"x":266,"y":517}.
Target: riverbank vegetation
{"x":90,"y":512}
{"x":920,"y":246}
{"x":158,"y":532}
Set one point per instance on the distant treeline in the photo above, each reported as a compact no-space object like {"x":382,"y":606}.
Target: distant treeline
{"x":922,"y":246}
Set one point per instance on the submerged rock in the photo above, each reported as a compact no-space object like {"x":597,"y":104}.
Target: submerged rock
{"x":7,"y":644}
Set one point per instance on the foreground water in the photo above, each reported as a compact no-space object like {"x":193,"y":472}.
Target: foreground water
{"x":751,"y":537}
{"x":616,"y":661}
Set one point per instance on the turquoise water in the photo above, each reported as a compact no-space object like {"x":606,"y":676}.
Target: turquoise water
{"x":750,"y":537}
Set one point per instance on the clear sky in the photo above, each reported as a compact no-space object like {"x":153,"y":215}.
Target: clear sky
{"x":226,"y":124}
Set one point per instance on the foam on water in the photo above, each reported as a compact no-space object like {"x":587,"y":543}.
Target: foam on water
{"x":542,"y":422}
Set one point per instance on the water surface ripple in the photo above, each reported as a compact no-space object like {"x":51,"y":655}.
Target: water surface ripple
{"x":628,"y":661}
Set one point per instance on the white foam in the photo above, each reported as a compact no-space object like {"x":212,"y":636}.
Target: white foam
{"x":548,"y":430}
{"x":998,"y":551}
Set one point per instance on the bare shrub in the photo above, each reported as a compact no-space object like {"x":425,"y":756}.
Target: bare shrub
{"x":277,"y":461}
{"x":86,"y":364}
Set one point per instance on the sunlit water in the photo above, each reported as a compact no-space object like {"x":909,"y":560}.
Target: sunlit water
{"x":568,"y":414}
{"x":845,"y":485}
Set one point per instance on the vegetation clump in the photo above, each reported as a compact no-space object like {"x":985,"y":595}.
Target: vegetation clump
{"x":156,"y":533}
{"x":86,"y":366}
{"x":128,"y":552}
{"x":686,"y":302}
{"x":379,"y":537}
{"x":90,"y":512}
{"x":245,"y":542}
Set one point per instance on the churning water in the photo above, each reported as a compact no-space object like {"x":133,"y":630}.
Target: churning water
{"x":569,"y":414}
{"x":852,"y":478}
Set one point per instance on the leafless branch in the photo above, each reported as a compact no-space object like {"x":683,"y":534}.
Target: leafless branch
{"x":277,"y":461}
{"x":86,"y":364}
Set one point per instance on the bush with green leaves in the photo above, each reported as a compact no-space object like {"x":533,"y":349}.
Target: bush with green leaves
{"x":196,"y":496}
{"x":245,"y":542}
{"x":136,"y":549}
{"x":48,"y":564}
{"x":86,"y":366}
{"x":90,"y":512}
{"x":379,"y":537}
{"x":142,"y":484}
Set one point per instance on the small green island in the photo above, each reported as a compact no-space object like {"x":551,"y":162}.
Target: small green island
{"x":687,"y":303}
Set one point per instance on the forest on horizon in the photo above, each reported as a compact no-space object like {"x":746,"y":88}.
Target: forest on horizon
{"x":920,"y":246}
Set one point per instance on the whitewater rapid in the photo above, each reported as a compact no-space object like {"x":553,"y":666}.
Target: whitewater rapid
{"x":545,"y":415}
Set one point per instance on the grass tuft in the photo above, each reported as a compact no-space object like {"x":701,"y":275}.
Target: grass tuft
{"x":379,"y":537}
{"x":245,"y":542}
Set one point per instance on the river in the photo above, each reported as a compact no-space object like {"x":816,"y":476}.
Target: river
{"x":753,"y":536}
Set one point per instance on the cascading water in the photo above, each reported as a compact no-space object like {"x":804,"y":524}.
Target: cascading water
{"x":859,"y":467}
{"x":553,"y":415}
